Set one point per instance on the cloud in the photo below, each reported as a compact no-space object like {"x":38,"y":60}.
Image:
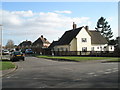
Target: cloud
{"x":28,"y":13}
{"x":66,"y":12}
{"x":28,"y":24}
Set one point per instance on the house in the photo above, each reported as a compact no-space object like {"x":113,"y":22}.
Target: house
{"x":40,"y":44}
{"x":25,"y":44}
{"x":81,"y":39}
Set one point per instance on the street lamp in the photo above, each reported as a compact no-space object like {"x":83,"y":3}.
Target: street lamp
{"x":1,"y":40}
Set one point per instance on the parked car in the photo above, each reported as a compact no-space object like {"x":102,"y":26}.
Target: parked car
{"x":17,"y":55}
{"x":28,"y":51}
{"x":5,"y":52}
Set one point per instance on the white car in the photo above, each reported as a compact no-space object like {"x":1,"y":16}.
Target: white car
{"x":5,"y":52}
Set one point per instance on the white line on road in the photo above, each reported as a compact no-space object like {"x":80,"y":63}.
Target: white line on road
{"x":78,"y":79}
{"x":91,"y":73}
{"x":115,"y":71}
{"x":109,"y":63}
{"x":95,"y":75}
{"x":8,"y":77}
{"x":107,"y":72}
{"x":115,"y":68}
{"x":108,"y":69}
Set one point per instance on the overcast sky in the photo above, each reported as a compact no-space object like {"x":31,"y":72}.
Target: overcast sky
{"x":29,"y":20}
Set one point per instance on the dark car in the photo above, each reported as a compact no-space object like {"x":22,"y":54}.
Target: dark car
{"x":28,"y":51}
{"x":17,"y":55}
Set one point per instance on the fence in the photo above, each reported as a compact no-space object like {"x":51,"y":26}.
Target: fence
{"x":81,"y":53}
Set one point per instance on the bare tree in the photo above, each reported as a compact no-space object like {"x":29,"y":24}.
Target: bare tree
{"x":10,"y":44}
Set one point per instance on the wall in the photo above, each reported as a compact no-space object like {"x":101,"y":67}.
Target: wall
{"x":103,"y":47}
{"x":83,"y":34}
{"x":110,"y":48}
{"x":61,"y":48}
{"x":73,"y":45}
{"x":98,"y":47}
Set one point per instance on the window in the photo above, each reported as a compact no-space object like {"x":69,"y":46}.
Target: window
{"x":105,"y":47}
{"x":62,"y":49}
{"x":84,"y":49}
{"x":84,"y":39}
{"x":66,"y":49}
{"x":111,"y":47}
{"x":38,"y":45}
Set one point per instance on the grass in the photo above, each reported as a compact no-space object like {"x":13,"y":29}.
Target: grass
{"x":4,"y":65}
{"x":73,"y":58}
{"x":114,"y":60}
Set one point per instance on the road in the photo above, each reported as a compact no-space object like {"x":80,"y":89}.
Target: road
{"x":43,"y":73}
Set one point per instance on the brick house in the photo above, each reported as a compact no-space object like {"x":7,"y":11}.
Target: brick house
{"x":40,"y":44}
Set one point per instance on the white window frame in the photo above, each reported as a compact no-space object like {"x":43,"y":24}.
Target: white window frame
{"x":84,"y":39}
{"x":84,"y":49}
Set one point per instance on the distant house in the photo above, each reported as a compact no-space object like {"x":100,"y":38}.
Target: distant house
{"x":40,"y":44}
{"x":25,"y":44}
{"x":81,"y":39}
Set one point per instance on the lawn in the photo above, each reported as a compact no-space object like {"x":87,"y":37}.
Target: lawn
{"x":73,"y":58}
{"x":114,"y":60}
{"x":6,"y":65}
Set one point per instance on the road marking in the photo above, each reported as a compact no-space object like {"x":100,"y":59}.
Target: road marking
{"x":91,"y":73}
{"x":95,"y":75}
{"x":115,"y":68}
{"x":109,"y":63}
{"x":108,"y":69}
{"x":78,"y":79}
{"x":107,"y":72}
{"x":36,"y":78}
{"x":8,"y":77}
{"x":115,"y":71}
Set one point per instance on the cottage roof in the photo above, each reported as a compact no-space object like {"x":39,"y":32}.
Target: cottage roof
{"x":53,"y":44}
{"x":67,"y":37}
{"x":97,"y":38}
{"x":41,"y":40}
{"x":25,"y":43}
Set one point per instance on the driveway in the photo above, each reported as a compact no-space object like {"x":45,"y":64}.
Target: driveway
{"x":43,"y":73}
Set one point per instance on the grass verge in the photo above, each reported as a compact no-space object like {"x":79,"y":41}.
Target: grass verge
{"x":73,"y":58}
{"x":114,"y":60}
{"x":4,"y":65}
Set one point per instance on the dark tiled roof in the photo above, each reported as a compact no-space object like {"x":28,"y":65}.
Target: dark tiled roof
{"x":41,"y":40}
{"x":97,"y":38}
{"x":53,"y":44}
{"x":25,"y":43}
{"x":68,"y":36}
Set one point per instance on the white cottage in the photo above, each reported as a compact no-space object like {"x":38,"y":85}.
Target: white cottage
{"x":81,"y":39}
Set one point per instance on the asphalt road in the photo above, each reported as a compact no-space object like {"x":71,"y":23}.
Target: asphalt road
{"x":43,"y":73}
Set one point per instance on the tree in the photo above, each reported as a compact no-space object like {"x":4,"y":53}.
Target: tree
{"x":104,"y":28}
{"x":10,"y":44}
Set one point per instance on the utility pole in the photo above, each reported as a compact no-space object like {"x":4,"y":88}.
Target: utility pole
{"x":1,"y":40}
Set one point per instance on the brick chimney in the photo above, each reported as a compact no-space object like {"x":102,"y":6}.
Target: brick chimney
{"x":41,"y":36}
{"x":74,"y":25}
{"x":87,"y":28}
{"x":45,"y":39}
